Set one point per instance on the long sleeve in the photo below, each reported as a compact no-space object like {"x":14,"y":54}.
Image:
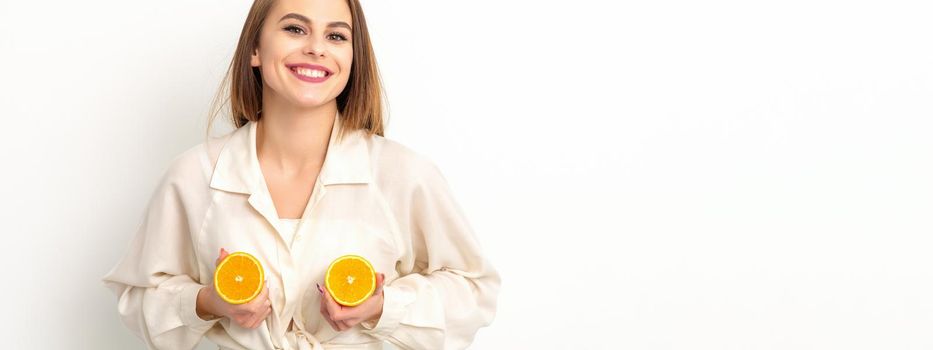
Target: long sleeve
{"x":156,"y":280}
{"x":451,"y":289}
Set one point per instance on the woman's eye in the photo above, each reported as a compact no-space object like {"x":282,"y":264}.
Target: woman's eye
{"x":294,"y":29}
{"x":338,"y":36}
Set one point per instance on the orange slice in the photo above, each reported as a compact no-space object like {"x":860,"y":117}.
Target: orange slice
{"x":239,"y":278}
{"x":350,"y":280}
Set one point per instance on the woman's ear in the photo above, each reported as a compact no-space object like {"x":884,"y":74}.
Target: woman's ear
{"x":254,"y":59}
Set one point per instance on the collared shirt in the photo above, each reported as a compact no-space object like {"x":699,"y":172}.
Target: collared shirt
{"x":291,"y":226}
{"x":373,"y":197}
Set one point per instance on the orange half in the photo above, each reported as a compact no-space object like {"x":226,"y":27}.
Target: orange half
{"x":239,"y":278}
{"x":350,"y":280}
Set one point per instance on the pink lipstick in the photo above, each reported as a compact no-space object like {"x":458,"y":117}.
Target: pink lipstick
{"x":311,"y":73}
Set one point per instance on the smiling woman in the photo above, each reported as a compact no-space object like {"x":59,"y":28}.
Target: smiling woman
{"x":306,"y":178}
{"x":352,"y":79}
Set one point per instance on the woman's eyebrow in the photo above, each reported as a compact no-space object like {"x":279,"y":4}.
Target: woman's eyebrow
{"x":308,"y":21}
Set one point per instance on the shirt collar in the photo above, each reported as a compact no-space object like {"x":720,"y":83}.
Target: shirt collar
{"x":237,"y":170}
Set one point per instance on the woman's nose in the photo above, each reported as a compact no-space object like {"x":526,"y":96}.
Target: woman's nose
{"x":315,"y":47}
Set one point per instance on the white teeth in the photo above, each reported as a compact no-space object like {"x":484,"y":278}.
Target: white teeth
{"x":313,"y":73}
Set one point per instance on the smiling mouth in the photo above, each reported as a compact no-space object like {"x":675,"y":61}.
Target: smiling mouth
{"x":310,"y":73}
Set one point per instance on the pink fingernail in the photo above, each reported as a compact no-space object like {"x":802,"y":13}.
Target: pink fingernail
{"x":319,"y":289}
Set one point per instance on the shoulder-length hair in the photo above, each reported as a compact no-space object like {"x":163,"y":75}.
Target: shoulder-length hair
{"x":360,"y":103}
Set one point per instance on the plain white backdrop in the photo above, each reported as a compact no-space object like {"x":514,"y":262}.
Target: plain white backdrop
{"x":645,"y":175}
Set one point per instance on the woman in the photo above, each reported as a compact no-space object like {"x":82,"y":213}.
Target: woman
{"x":306,"y":177}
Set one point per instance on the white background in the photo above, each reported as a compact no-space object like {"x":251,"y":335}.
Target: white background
{"x":645,"y":175}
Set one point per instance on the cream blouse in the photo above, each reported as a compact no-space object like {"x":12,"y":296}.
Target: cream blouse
{"x":289,"y":230}
{"x":373,"y":197}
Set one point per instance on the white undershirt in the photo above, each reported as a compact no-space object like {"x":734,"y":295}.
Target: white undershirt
{"x":289,"y":227}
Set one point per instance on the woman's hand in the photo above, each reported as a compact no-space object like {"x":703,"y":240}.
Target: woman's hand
{"x":342,"y":317}
{"x":248,"y":315}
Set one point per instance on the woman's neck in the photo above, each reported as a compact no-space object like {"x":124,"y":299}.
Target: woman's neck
{"x":294,"y":140}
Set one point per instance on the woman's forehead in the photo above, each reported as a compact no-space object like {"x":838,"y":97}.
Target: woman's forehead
{"x":323,"y":11}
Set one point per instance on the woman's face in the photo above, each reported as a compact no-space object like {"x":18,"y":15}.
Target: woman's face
{"x":305,"y":51}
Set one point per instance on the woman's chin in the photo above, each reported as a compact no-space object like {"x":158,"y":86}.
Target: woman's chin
{"x":306,"y":102}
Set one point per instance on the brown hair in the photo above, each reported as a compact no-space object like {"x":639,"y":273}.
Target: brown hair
{"x":360,"y":103}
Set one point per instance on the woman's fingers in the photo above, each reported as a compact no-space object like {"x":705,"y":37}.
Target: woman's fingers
{"x":380,"y":280}
{"x":251,"y":314}
{"x":328,"y":307}
{"x":263,"y":306}
{"x":327,"y":316}
{"x":265,"y":291}
{"x":350,"y":316}
{"x":223,"y":254}
{"x":332,"y":307}
{"x":266,"y":313}
{"x":259,"y":317}
{"x":339,"y":317}
{"x":334,"y":325}
{"x":253,"y":322}
{"x":245,"y":319}
{"x":345,"y":317}
{"x":342,"y":318}
{"x":256,"y":323}
{"x":262,"y":317}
